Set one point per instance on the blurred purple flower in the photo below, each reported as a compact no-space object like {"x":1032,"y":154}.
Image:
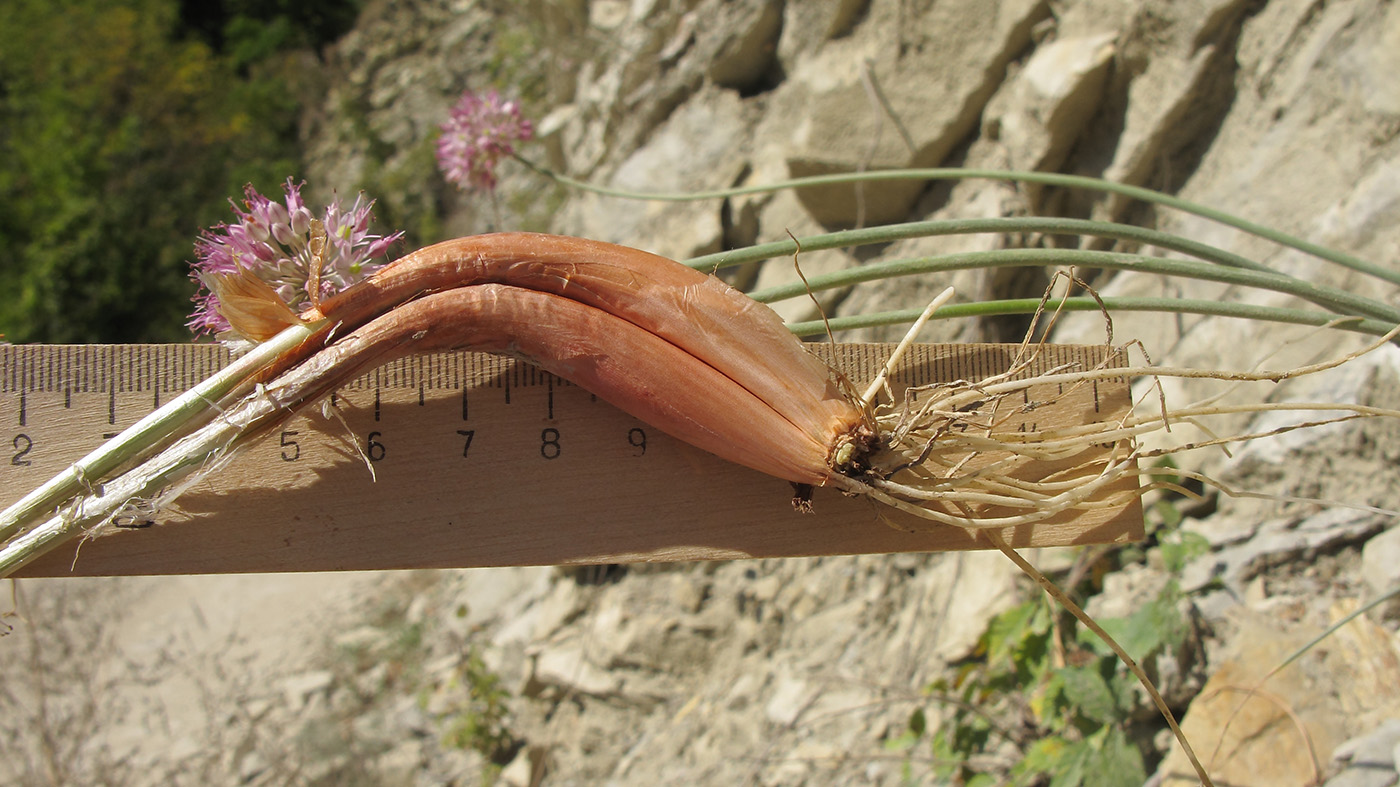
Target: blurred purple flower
{"x":272,"y":240}
{"x":479,"y":132}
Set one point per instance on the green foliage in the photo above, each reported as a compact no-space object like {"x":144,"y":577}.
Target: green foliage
{"x":1065,"y":718}
{"x":121,"y":137}
{"x":1105,"y":758}
{"x":253,"y":31}
{"x":1162,"y":521}
{"x":478,"y":722}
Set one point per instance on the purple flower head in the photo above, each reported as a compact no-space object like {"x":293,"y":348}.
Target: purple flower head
{"x":272,"y":241}
{"x":479,"y":132}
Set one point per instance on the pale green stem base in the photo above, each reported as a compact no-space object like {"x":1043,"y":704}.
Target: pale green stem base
{"x":86,"y":473}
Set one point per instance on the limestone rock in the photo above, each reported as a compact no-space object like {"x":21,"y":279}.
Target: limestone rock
{"x":1368,"y":760}
{"x":699,"y":147}
{"x":1278,"y":542}
{"x":1040,"y":112}
{"x":1335,"y":692}
{"x":747,"y":53}
{"x":300,"y":688}
{"x":789,"y":697}
{"x":899,"y":106}
{"x":806,"y":26}
{"x":986,"y":587}
{"x":1183,"y":87}
{"x":1380,"y":566}
{"x":569,"y":671}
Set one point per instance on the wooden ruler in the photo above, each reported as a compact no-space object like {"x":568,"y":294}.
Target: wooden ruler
{"x":467,"y":459}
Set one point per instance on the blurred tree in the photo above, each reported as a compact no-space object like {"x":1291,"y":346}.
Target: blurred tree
{"x":249,"y":31}
{"x":123,"y":131}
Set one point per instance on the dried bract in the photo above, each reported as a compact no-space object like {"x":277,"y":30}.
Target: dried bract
{"x":272,"y":242}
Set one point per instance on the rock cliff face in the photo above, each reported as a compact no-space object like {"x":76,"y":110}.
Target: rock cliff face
{"x":1286,"y":112}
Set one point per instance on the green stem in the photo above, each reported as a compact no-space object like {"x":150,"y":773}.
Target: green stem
{"x":1043,"y":178}
{"x":1082,"y":303}
{"x":1043,"y":225}
{"x":1001,"y":225}
{"x":140,"y":437}
{"x":1339,"y":301}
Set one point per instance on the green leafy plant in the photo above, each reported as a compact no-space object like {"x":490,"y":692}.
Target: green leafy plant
{"x":478,"y":719}
{"x":1028,"y":710}
{"x":1162,"y":520}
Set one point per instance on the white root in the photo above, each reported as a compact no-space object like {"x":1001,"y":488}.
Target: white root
{"x":878,"y":383}
{"x":928,"y":468}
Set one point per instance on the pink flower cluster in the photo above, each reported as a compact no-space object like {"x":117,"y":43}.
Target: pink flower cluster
{"x":479,"y":132}
{"x":272,"y":239}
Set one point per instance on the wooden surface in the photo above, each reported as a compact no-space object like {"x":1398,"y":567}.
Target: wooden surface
{"x":477,"y":461}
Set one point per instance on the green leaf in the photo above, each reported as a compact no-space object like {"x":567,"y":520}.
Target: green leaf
{"x":1113,"y":761}
{"x":1163,"y":514}
{"x":1044,"y":755}
{"x":1086,"y":689}
{"x":1104,"y":759}
{"x":1076,"y":767}
{"x":1006,"y":631}
{"x":1053,"y":756}
{"x":1180,"y":548}
{"x":918,"y":723}
{"x":1149,"y":630}
{"x":1049,"y":700}
{"x":902,"y":742}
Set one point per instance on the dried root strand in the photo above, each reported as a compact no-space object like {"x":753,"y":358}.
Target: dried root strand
{"x":950,"y":458}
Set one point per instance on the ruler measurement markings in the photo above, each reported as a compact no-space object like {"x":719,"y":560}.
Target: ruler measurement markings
{"x":101,"y":366}
{"x":82,"y":369}
{"x":84,"y":382}
{"x":78,"y":372}
{"x":294,"y":515}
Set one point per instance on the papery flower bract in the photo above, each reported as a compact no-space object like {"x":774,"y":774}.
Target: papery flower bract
{"x":479,"y":132}
{"x":271,"y":240}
